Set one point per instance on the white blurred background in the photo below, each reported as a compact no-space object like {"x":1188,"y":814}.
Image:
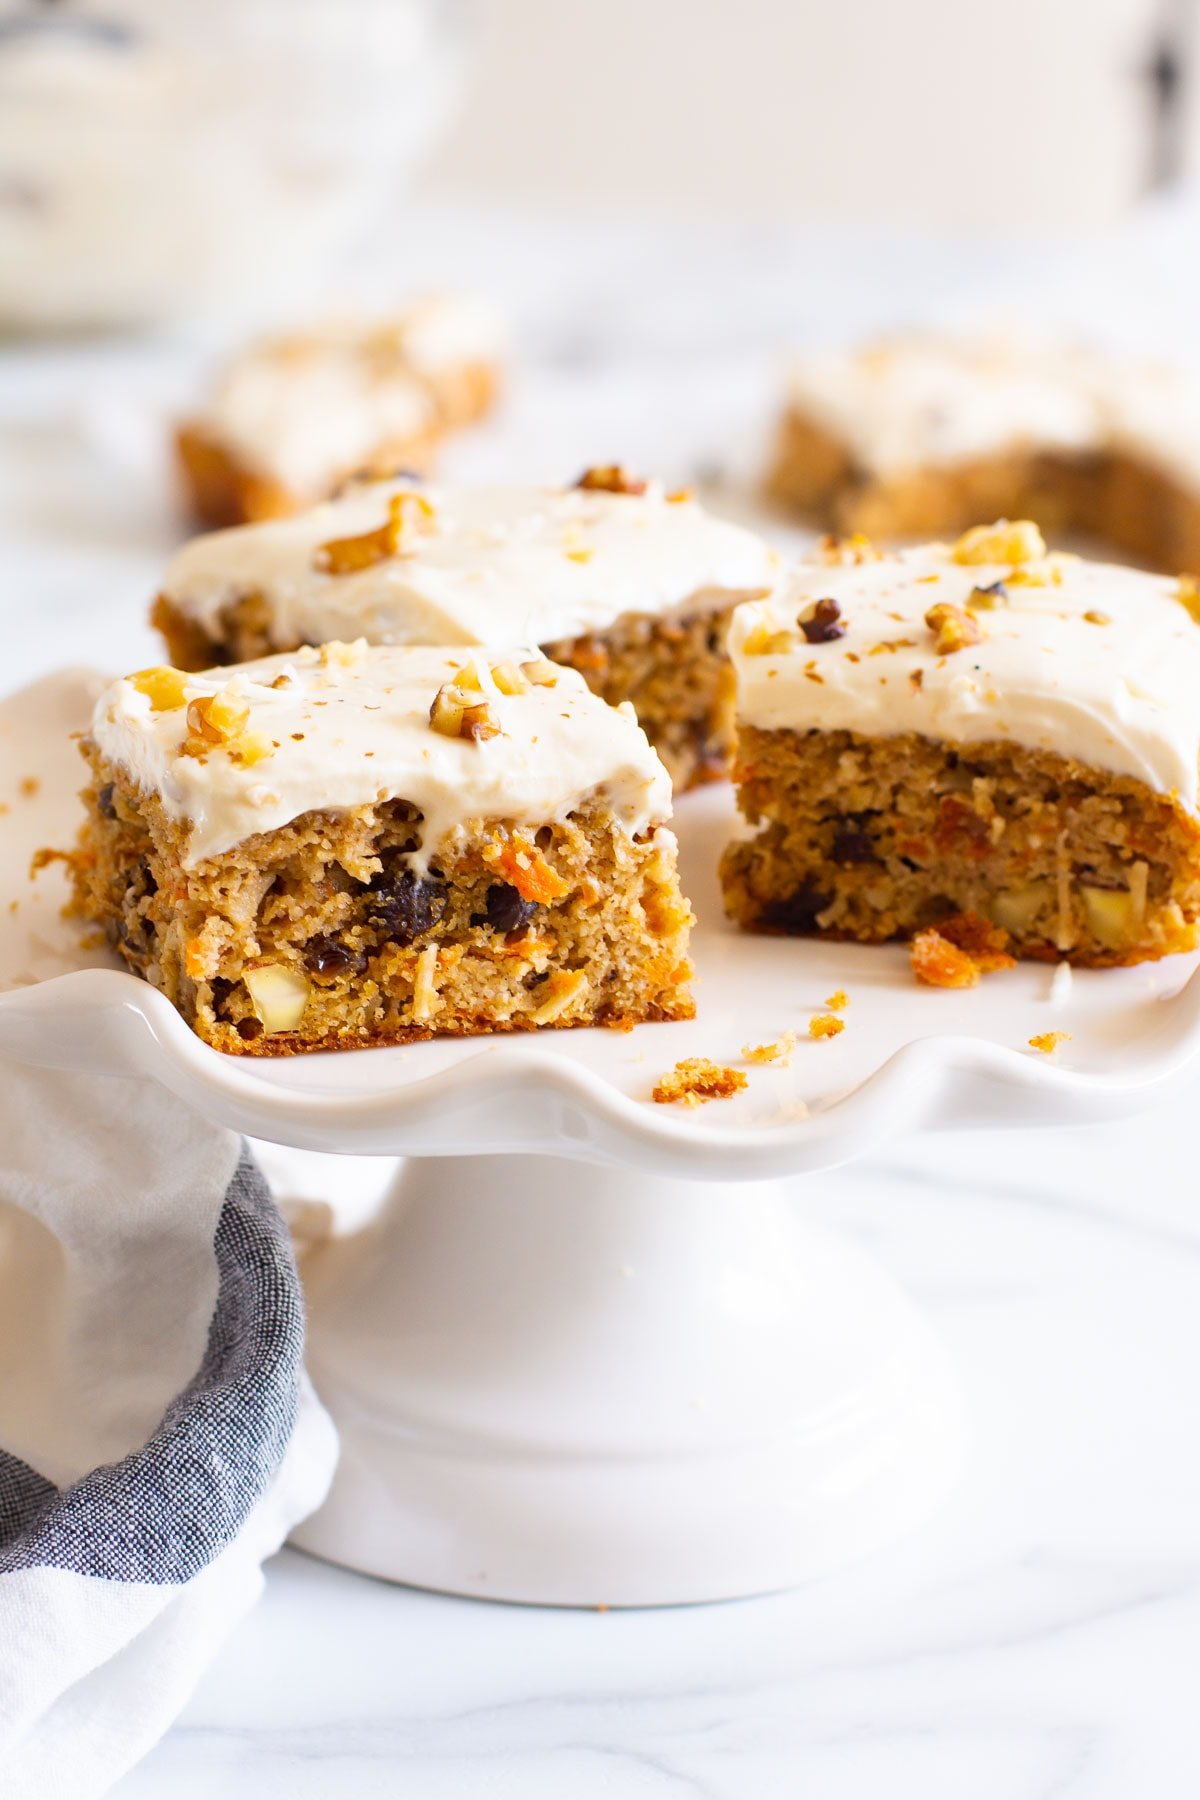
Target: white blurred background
{"x":929,"y":111}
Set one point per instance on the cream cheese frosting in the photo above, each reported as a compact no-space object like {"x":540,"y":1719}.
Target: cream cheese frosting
{"x":350,"y":726}
{"x":489,"y":565}
{"x":1090,"y":661}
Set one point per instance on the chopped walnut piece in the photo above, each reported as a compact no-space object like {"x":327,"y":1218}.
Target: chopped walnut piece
{"x":1007,"y":541}
{"x":984,"y":599}
{"x":454,"y":714}
{"x":695,"y":1080}
{"x":825,"y":1025}
{"x":1048,"y":1041}
{"x":540,"y":672}
{"x":952,"y":628}
{"x":217,"y":717}
{"x":779,"y":1051}
{"x":610,"y":478}
{"x":409,"y":515}
{"x":838,"y":1001}
{"x":822,"y":623}
{"x":839,"y":551}
{"x":760,"y":640}
{"x":336,"y":655}
{"x":163,"y":687}
{"x":508,"y":679}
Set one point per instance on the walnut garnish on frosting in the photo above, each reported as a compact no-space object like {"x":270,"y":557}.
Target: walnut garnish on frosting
{"x":163,"y":687}
{"x":1048,"y":1041}
{"x":822,"y":622}
{"x":455,"y":713}
{"x":984,"y":599}
{"x":952,"y":628}
{"x":410,"y":515}
{"x":611,"y":478}
{"x":1007,"y":541}
{"x":218,"y":721}
{"x":760,"y":640}
{"x":840,"y":551}
{"x":540,"y":672}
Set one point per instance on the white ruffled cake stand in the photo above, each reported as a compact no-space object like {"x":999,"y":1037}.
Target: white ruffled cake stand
{"x":591,"y":1351}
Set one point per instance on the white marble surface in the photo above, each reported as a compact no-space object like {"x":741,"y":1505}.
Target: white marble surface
{"x":1041,"y":1638}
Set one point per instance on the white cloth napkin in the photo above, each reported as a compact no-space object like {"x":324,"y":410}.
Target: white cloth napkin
{"x":158,"y":1438}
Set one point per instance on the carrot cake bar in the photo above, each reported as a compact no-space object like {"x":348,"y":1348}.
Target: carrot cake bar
{"x":981,"y":729}
{"x":361,"y":846}
{"x":293,"y":417}
{"x":918,"y":436}
{"x":630,"y":585}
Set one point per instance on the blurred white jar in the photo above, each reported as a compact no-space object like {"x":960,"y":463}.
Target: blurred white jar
{"x":167,"y":158}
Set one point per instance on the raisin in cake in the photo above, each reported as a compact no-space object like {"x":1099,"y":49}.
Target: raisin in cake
{"x":363,"y":846}
{"x":985,"y":729}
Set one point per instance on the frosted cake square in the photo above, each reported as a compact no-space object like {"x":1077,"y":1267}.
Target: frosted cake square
{"x":921,"y":435}
{"x":365,"y":846}
{"x":292,"y":417}
{"x":983,"y":729}
{"x":629,"y":584}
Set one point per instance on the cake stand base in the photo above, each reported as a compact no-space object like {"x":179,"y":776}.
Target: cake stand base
{"x":574,"y":1385}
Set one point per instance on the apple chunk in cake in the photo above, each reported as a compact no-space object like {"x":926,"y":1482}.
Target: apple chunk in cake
{"x":986,"y":729}
{"x":363,"y":846}
{"x":627,"y":583}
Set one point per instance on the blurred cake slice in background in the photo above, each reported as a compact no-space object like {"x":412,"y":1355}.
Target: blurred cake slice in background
{"x":919,"y":435}
{"x":290,"y":418}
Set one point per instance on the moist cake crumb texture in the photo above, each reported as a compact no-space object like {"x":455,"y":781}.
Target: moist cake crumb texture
{"x":302,"y":854}
{"x":996,"y":730}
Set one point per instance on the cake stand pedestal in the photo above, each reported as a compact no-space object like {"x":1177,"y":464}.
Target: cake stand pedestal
{"x":591,"y":1351}
{"x":576,"y":1385}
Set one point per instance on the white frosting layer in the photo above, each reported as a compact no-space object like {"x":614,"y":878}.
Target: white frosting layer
{"x":499,"y":565}
{"x":1119,"y":695}
{"x":910,"y":403}
{"x":348,"y":735}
